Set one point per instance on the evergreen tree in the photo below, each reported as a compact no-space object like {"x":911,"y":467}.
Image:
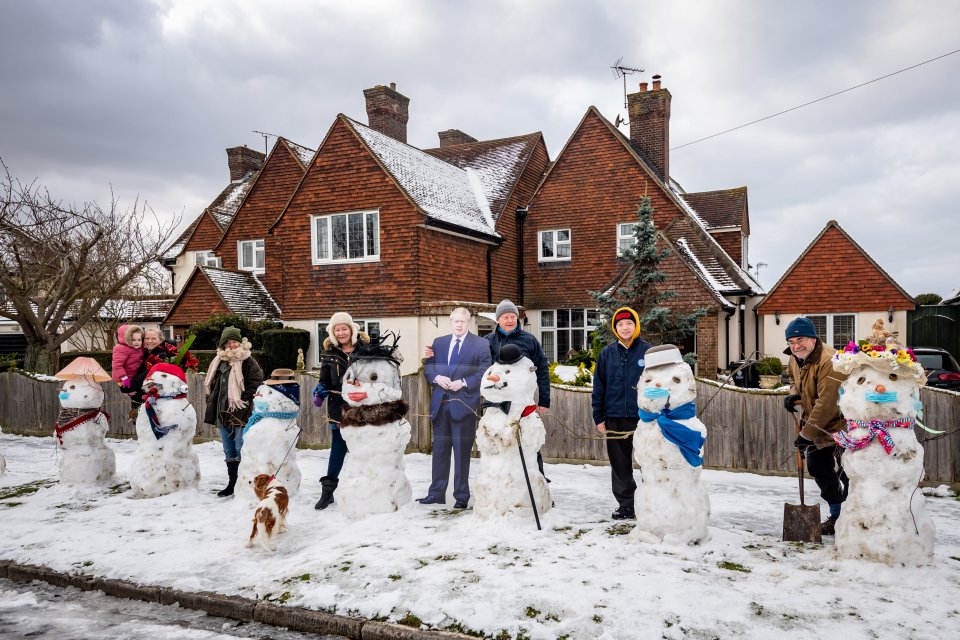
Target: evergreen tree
{"x":644,"y":291}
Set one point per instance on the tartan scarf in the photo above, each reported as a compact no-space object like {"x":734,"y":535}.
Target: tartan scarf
{"x":876,"y":429}
{"x":68,"y":419}
{"x":150,"y":399}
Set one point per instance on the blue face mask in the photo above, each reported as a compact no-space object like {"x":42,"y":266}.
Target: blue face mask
{"x":840,"y":391}
{"x":655,"y":392}
{"x":260,"y":406}
{"x":64,"y":395}
{"x":919,"y":407}
{"x":886,"y":396}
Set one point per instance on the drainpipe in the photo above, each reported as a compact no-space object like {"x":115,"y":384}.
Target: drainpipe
{"x":726,"y":332}
{"x":489,"y":274}
{"x":742,"y":306}
{"x":521,"y":216}
{"x":756,"y":331}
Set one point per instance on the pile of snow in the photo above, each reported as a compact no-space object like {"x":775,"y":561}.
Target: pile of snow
{"x":581,"y":576}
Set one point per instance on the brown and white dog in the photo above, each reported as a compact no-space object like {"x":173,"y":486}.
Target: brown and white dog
{"x":271,"y":515}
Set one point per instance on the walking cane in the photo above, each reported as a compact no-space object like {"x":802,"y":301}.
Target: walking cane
{"x":526,"y":476}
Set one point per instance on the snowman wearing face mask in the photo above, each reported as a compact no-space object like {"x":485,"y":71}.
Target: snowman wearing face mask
{"x":884,"y":518}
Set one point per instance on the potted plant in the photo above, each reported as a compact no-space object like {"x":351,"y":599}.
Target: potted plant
{"x":769,"y":369}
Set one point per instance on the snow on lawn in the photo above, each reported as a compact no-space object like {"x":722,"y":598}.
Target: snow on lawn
{"x":580,"y":577}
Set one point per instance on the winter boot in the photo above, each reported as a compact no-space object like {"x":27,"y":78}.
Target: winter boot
{"x":232,"y":467}
{"x":827,"y":528}
{"x":329,"y":486}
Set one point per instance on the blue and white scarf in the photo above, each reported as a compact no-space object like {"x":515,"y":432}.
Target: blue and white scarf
{"x":687,"y":440}
{"x":258,"y":416}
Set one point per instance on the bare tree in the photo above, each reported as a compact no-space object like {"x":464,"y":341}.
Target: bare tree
{"x":59,"y":262}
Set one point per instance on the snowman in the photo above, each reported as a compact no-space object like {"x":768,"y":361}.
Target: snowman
{"x":671,"y":502}
{"x":376,"y":433}
{"x":81,"y":425}
{"x":883,"y":518}
{"x":270,"y":437}
{"x":165,"y":461}
{"x":509,"y":421}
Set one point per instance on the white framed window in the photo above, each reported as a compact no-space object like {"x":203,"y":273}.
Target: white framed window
{"x":346,"y":237}
{"x":250,"y":255}
{"x":367,"y":326}
{"x":554,"y":245}
{"x":206,"y":259}
{"x":835,"y":329}
{"x":625,"y":239}
{"x":563,"y":331}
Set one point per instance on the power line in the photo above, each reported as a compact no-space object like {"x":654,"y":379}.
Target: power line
{"x":806,"y":104}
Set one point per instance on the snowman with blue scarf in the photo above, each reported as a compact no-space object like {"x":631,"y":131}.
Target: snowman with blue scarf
{"x":270,"y":436}
{"x":884,"y":518}
{"x":671,"y":502}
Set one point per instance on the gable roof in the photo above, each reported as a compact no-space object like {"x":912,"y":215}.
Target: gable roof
{"x":498,"y":163}
{"x":857,"y":283}
{"x":240,"y":291}
{"x":724,"y":208}
{"x":445,"y":193}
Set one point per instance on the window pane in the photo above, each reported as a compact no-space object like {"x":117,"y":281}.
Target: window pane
{"x":546,"y":244}
{"x":546,"y":318}
{"x":339,"y":224}
{"x":259,"y":254}
{"x":546,"y":339}
{"x":593,"y":317}
{"x":355,"y":235}
{"x":843,"y":331}
{"x":200,"y":257}
{"x":246,"y":249}
{"x":563,"y":250}
{"x":373,"y":234}
{"x":819,"y":324}
{"x":372,"y":327}
{"x":563,"y":235}
{"x":322,"y":333}
{"x":625,"y":244}
{"x":576,"y":339}
{"x":627,"y":229}
{"x":563,"y":344}
{"x":576,"y":317}
{"x":323,"y":238}
{"x":259,"y":244}
{"x":563,"y":318}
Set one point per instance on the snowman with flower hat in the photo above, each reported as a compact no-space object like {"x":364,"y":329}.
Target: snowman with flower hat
{"x":82,"y":425}
{"x":270,"y":436}
{"x":884,"y":518}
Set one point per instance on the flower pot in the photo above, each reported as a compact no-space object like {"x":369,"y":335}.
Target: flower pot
{"x":769,"y":382}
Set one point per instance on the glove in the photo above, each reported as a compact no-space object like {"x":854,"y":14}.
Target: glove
{"x":789,"y":403}
{"x":319,"y":394}
{"x":125,"y":383}
{"x":804,"y":445}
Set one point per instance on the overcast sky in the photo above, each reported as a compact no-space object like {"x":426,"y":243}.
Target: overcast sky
{"x":145,"y":96}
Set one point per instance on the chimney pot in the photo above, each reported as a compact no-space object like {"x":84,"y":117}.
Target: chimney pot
{"x":643,"y":86}
{"x":656,"y":83}
{"x":393,"y":85}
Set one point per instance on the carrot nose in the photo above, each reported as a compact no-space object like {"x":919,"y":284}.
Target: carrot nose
{"x":881,"y":388}
{"x":493,"y":377}
{"x":356,"y":382}
{"x":658,"y":384}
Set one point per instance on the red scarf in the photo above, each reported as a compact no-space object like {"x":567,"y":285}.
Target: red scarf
{"x":73,"y":417}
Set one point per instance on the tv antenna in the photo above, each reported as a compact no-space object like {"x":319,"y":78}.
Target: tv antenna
{"x":620,"y":71}
{"x":266,"y":150}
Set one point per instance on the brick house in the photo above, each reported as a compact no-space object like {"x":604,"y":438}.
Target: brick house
{"x":836,"y":284}
{"x":583,"y":213}
{"x":211,"y":290}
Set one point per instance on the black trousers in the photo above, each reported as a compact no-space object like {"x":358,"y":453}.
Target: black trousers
{"x":826,"y":468}
{"x":620,"y":453}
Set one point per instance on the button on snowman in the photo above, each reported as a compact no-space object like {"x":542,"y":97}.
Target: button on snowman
{"x":269,"y":439}
{"x":165,"y":460}
{"x":82,"y":425}
{"x":508,"y":415}
{"x":883,"y":518}
{"x":373,"y":479}
{"x":671,"y":502}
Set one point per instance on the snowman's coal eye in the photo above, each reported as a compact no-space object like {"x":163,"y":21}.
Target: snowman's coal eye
{"x":861,"y":380}
{"x":373,"y":377}
{"x":893,"y":376}
{"x":506,"y":370}
{"x":676,"y":379}
{"x":73,"y":386}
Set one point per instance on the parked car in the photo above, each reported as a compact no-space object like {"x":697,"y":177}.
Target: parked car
{"x":942,"y":369}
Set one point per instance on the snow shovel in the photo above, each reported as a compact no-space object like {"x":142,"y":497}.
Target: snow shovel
{"x":801,"y":522}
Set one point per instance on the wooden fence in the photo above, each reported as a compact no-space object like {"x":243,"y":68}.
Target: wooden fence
{"x":747,"y":429}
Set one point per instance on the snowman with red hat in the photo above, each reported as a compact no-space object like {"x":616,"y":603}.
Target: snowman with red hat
{"x":165,"y":461}
{"x":82,"y":425}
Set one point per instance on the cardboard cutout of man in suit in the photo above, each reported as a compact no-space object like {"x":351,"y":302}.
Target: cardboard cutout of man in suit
{"x":455,"y":370}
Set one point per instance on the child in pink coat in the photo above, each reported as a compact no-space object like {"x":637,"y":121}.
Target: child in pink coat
{"x":128,"y":355}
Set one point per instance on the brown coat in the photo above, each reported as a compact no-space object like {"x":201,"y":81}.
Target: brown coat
{"x":817,"y":384}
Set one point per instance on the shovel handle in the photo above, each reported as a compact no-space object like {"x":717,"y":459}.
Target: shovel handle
{"x":799,"y":459}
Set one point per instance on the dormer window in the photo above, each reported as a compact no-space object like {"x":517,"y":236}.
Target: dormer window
{"x":206,"y":259}
{"x":250,"y":255}
{"x":554,"y":245}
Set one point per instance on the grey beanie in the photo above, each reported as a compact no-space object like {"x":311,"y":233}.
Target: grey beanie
{"x":506,"y":306}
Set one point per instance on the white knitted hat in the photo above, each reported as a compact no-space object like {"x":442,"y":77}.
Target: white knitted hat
{"x":342,"y":317}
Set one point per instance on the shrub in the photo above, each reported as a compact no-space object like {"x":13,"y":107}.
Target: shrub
{"x":208,"y":331}
{"x":770,"y":366}
{"x":583,"y":379}
{"x":280,"y":347}
{"x":584,"y":358}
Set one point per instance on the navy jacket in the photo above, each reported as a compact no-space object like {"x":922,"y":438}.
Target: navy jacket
{"x":531,"y":348}
{"x":473,"y":363}
{"x":615,"y":380}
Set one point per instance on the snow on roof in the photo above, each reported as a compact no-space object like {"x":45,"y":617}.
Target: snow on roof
{"x":137,"y":309}
{"x":304,"y":154}
{"x":243,"y":292}
{"x":713,"y":277}
{"x":225,"y":206}
{"x":176,"y":248}
{"x":442,"y":191}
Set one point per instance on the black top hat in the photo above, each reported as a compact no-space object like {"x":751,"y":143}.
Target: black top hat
{"x":510,"y":354}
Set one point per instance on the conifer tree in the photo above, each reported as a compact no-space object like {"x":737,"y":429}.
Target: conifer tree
{"x":644,"y":291}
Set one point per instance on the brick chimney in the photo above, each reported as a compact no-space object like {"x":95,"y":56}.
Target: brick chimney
{"x":649,"y":113}
{"x":243,"y":160}
{"x":387,"y":111}
{"x":451,"y":137}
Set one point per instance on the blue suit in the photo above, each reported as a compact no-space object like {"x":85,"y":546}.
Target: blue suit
{"x":454,"y":413}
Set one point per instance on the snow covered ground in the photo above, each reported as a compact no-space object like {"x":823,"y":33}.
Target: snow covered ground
{"x":580,"y":577}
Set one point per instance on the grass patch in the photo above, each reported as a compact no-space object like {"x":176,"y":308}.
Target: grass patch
{"x":598,"y":619}
{"x":733,"y":566}
{"x":445,"y":558}
{"x":410,"y":620}
{"x":579,"y":534}
{"x":559,"y":529}
{"x":395,"y":577}
{"x":118,"y":488}
{"x":11,"y":504}
{"x":532,"y":613}
{"x":456,"y":627}
{"x":620,"y":529}
{"x":25,"y":489}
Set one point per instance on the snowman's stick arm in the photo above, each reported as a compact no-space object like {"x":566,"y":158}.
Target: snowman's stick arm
{"x":526,"y":476}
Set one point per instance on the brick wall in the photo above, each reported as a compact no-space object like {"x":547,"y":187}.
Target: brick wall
{"x":732,"y":243}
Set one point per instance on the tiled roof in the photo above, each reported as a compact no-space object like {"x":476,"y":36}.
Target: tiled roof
{"x":725,"y":208}
{"x":303,"y":154}
{"x":499,"y":164}
{"x":708,"y":260}
{"x":952,"y":298}
{"x":243,"y":293}
{"x":176,"y":248}
{"x":442,"y":191}
{"x":154,"y":310}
